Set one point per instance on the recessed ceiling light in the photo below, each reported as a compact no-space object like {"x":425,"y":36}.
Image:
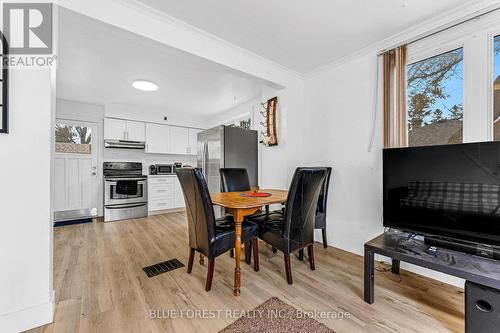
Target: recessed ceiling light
{"x":145,"y":85}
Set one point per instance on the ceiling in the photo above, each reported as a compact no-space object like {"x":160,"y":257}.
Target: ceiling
{"x":303,"y":35}
{"x":97,"y":63}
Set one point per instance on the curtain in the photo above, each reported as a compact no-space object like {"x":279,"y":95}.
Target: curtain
{"x":394,"y":98}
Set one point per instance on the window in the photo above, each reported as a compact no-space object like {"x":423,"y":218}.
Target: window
{"x":244,"y":123}
{"x":73,"y":139}
{"x":496,"y":88}
{"x":435,"y":100}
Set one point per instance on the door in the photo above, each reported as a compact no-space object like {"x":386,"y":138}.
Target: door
{"x":114,"y":129}
{"x":136,"y":131}
{"x":75,"y":173}
{"x":157,"y":138}
{"x":179,"y":140}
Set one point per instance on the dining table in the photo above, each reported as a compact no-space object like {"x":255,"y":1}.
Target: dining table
{"x":241,"y":204}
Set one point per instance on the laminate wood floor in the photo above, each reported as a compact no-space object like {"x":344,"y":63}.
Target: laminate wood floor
{"x":101,"y":287}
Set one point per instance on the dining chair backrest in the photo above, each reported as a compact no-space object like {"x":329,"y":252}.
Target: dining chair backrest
{"x":199,"y":209}
{"x":234,"y":179}
{"x":323,"y":201}
{"x":301,"y":204}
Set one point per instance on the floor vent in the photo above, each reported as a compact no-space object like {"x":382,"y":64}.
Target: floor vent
{"x":162,"y":267}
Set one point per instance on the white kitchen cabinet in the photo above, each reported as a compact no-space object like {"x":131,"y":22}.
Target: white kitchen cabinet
{"x":164,"y":192}
{"x":192,"y":141}
{"x":115,"y":129}
{"x":157,"y":138}
{"x":178,"y":194}
{"x":120,"y":129}
{"x":136,"y":131}
{"x":179,"y":140}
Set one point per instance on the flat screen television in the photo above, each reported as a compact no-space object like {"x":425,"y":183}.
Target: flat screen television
{"x":448,"y":191}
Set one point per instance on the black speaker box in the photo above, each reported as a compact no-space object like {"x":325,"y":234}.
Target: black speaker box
{"x":482,"y":309}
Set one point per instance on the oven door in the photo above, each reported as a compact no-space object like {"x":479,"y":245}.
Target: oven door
{"x":119,"y":191}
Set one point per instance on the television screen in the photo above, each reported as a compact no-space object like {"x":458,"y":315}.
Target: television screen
{"x":450,"y":191}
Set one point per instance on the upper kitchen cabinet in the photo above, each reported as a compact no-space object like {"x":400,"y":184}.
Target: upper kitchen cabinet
{"x":192,"y":140}
{"x":119,"y":129}
{"x":165,"y":139}
{"x":179,"y":140}
{"x":136,"y":131}
{"x":157,"y":139}
{"x":115,"y":129}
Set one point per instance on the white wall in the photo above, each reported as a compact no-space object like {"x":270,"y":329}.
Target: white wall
{"x":338,"y":127}
{"x":26,"y":224}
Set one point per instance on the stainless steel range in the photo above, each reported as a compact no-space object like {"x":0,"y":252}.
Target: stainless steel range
{"x":125,"y":191}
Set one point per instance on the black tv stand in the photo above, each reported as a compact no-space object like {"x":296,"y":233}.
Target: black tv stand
{"x":394,"y":244}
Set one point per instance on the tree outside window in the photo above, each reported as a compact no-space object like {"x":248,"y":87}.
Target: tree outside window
{"x":435,"y":99}
{"x":73,"y":139}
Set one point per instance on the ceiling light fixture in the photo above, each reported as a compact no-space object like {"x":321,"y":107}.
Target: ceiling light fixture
{"x":144,"y":85}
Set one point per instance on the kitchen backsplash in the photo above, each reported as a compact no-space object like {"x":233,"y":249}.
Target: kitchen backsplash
{"x":131,"y":155}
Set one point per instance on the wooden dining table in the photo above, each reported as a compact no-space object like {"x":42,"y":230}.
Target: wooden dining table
{"x":240,"y":206}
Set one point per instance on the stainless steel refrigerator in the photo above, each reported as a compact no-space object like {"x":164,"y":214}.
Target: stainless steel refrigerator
{"x":227,"y":147}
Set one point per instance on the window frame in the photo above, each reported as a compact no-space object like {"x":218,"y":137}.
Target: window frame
{"x":490,"y":65}
{"x":476,"y":37}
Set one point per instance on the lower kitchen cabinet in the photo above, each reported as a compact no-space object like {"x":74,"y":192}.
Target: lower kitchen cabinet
{"x":164,"y":192}
{"x":178,"y":194}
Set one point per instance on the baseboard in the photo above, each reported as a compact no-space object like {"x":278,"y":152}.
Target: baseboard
{"x":28,"y":318}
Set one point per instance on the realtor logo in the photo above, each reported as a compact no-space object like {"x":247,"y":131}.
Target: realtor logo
{"x":28,"y":27}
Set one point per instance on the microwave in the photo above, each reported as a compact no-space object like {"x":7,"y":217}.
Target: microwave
{"x":162,"y":169}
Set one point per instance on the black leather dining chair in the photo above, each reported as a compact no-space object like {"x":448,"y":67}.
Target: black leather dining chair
{"x":237,"y":180}
{"x":208,"y":235}
{"x":234,"y":179}
{"x":294,"y":229}
{"x":320,"y":222}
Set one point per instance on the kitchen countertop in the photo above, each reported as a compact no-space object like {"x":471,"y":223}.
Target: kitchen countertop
{"x":160,"y":176}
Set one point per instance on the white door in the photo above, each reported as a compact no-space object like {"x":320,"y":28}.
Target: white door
{"x":157,"y":138}
{"x":115,"y":129}
{"x":75,"y":174}
{"x":136,"y":131}
{"x":179,"y":140}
